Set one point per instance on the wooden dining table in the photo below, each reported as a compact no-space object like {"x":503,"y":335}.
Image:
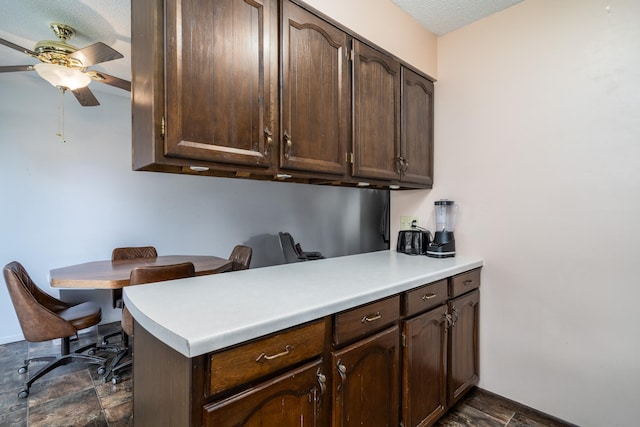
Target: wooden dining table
{"x":115,"y":274}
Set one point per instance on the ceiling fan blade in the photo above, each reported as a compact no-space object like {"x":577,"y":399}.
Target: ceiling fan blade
{"x":18,"y":48}
{"x":85,"y":97}
{"x":11,"y":68}
{"x":110,"y":80}
{"x":95,"y":54}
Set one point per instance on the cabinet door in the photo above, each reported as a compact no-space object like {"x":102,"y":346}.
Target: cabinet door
{"x":463,"y":345}
{"x":376,"y":114}
{"x":366,"y":382}
{"x":219,"y":82}
{"x":293,"y":399}
{"x":417,"y":128}
{"x":424,"y":391}
{"x":314,"y":93}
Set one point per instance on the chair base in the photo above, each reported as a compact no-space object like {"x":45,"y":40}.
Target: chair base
{"x":64,"y":359}
{"x":117,"y":366}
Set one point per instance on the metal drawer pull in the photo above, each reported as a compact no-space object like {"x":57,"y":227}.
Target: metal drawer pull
{"x":342,"y":370}
{"x":267,"y":148}
{"x":468,"y":282}
{"x":371,"y":317}
{"x":322,"y":382}
{"x":428,"y":297}
{"x":264,"y":356}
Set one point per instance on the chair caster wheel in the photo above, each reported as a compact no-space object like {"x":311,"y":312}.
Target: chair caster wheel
{"x":115,"y":380}
{"x":105,"y":342}
{"x":102,"y":370}
{"x":24,"y":393}
{"x":23,"y":369}
{"x":91,"y":352}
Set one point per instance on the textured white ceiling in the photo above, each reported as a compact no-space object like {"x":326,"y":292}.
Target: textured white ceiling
{"x":443,"y":16}
{"x":26,"y":22}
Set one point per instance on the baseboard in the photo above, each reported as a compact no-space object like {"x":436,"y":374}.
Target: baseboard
{"x":11,"y":338}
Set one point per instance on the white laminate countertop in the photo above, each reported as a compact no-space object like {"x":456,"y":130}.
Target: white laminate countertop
{"x":206,"y":313}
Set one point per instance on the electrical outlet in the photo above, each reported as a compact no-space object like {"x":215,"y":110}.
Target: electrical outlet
{"x":406,"y":221}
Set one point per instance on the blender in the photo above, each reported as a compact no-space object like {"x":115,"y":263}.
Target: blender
{"x":443,"y":244}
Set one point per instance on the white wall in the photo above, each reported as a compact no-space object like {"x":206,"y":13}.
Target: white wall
{"x":538,"y":139}
{"x":389,"y":27}
{"x":73,"y":202}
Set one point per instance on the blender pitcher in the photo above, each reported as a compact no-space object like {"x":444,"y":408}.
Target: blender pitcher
{"x":443,"y":244}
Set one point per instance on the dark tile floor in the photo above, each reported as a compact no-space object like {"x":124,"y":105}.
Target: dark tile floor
{"x":74,"y":395}
{"x":71,"y":395}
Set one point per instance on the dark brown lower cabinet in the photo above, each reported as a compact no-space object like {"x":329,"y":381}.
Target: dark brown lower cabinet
{"x":352,"y":368}
{"x":366,"y":382}
{"x":292,"y":399}
{"x":424,"y":394}
{"x":463,"y":345}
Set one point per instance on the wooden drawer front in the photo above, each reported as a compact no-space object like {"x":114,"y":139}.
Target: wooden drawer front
{"x":463,"y":283}
{"x":363,"y":320}
{"x":257,"y":359}
{"x":425,"y":297}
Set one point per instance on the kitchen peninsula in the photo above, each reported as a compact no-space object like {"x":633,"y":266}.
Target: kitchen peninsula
{"x":223,"y":349}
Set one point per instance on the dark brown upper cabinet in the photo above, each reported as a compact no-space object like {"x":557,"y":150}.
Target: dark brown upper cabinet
{"x":215,"y":96}
{"x":416,"y":148}
{"x":271,"y":89}
{"x":376,"y":114}
{"x":315,"y":91}
{"x":218,"y":74}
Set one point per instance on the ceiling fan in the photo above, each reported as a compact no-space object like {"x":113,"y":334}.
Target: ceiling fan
{"x":65,"y":66}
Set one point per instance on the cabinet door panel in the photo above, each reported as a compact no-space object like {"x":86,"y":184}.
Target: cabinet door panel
{"x":218,"y":79}
{"x":417,"y":128}
{"x":292,"y":399}
{"x":366,"y":382}
{"x":463,"y":345}
{"x":314,"y":93}
{"x":424,"y":397}
{"x":376,"y":113}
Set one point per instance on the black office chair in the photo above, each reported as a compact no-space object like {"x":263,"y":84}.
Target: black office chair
{"x":140,"y":276}
{"x":43,"y":318}
{"x":240,"y":257}
{"x":293,"y":252}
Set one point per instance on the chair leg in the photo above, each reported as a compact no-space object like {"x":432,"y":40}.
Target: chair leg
{"x":23,"y":369}
{"x":105,"y":339}
{"x":115,"y":379}
{"x":116,"y":366}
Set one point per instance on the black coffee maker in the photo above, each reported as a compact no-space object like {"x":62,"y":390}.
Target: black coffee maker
{"x":443,"y":244}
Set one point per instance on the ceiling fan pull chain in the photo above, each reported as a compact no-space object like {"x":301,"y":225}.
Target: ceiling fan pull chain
{"x":60,"y":133}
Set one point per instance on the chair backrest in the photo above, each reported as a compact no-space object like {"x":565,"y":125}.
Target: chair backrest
{"x":151,"y":274}
{"x":160,"y":273}
{"x":288,"y":248}
{"x":36,"y":310}
{"x":133,"y":253}
{"x":240,"y":257}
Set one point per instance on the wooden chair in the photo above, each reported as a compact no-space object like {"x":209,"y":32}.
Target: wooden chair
{"x":240,"y":257}
{"x":43,"y":318}
{"x":124,"y":253}
{"x":139,"y":276}
{"x":293,"y":252}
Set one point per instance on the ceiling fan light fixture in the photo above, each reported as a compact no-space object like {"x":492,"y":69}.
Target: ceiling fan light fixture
{"x":61,"y":76}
